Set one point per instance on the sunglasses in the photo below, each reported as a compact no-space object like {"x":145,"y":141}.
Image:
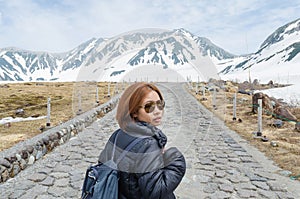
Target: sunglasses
{"x":150,"y":106}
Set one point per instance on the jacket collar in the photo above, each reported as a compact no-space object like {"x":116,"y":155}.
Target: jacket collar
{"x":140,"y":128}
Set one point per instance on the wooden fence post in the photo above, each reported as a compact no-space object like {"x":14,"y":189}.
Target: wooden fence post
{"x":48,"y":112}
{"x":234,"y":107}
{"x":214,"y":99}
{"x":259,"y":116}
{"x":79,"y":103}
{"x":97,"y":95}
{"x":108,"y":89}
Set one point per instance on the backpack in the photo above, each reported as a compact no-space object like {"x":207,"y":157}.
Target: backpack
{"x":101,"y":180}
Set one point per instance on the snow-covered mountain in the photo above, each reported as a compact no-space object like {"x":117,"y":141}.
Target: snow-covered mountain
{"x":19,"y":65}
{"x":22,"y":65}
{"x":277,"y":59}
{"x":144,"y":53}
{"x":152,"y":54}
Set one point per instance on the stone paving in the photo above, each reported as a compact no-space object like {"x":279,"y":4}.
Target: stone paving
{"x":219,"y":163}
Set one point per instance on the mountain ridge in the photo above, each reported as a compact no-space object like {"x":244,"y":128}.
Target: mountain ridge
{"x":279,"y":53}
{"x":177,"y":50}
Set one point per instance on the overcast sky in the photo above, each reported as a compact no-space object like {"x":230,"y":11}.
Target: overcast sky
{"x":238,"y":26}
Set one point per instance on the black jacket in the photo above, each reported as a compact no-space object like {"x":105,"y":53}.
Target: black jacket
{"x":146,"y":171}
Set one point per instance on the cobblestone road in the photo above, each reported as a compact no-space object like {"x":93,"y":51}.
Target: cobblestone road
{"x":219,"y":163}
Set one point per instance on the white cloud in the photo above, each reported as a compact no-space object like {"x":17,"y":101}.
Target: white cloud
{"x":60,"y":25}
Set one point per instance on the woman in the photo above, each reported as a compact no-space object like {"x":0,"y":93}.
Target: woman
{"x":148,"y":169}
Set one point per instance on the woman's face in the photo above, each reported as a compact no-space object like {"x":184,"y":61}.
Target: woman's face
{"x":153,"y":117}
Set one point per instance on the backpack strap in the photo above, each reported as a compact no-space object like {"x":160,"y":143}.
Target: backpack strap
{"x":128,"y":148}
{"x":115,"y":144}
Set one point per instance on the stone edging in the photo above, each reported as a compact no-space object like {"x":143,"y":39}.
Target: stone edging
{"x":24,"y":154}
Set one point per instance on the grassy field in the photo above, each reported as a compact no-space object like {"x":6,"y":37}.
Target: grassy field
{"x":285,"y":155}
{"x":66,"y":100}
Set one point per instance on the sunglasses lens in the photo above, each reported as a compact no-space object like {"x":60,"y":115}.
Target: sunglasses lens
{"x":149,"y":107}
{"x":160,"y":104}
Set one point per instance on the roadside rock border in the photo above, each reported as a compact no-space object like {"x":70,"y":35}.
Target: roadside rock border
{"x":24,"y":154}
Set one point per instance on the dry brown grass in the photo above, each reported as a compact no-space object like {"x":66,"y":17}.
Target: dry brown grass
{"x":286,"y":155}
{"x":32,"y":98}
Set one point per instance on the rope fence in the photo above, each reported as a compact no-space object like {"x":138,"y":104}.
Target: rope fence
{"x":213,"y":90}
{"x":85,"y":97}
{"x":220,"y":99}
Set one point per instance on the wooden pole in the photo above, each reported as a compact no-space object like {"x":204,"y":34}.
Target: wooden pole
{"x":108,"y":89}
{"x":259,"y":116}
{"x":234,"y":107}
{"x":79,"y":102}
{"x":48,"y":111}
{"x":214,"y":99}
{"x":97,"y":95}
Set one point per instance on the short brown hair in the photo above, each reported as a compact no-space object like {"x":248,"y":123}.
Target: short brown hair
{"x":131,"y":100}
